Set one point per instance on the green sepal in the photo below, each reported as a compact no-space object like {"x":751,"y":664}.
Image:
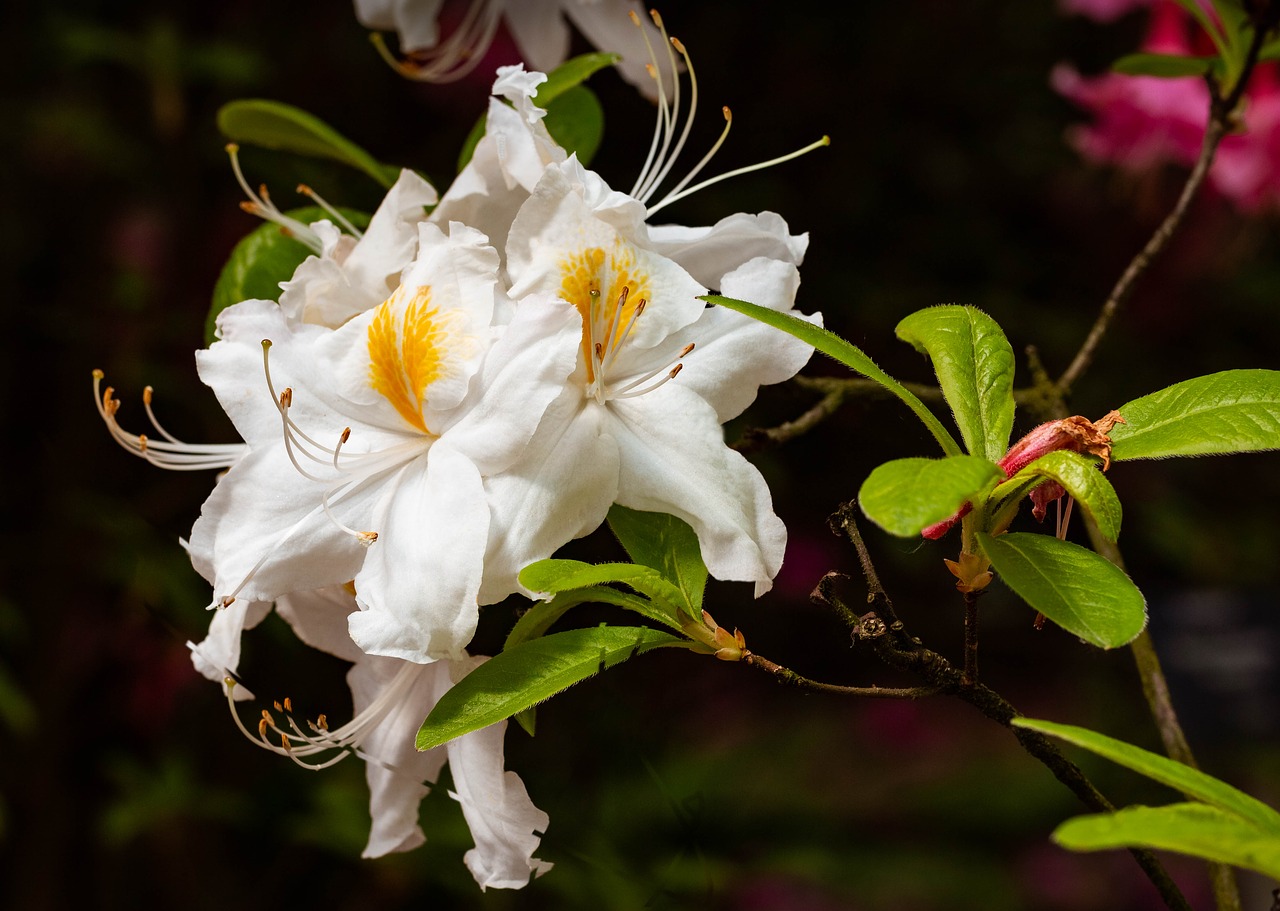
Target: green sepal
{"x":1222,"y":413}
{"x":532,"y":672}
{"x":1077,"y":589}
{"x":1079,"y":477}
{"x":264,"y":258}
{"x":906,"y":496}
{"x":276,"y":125}
{"x":974,"y":364}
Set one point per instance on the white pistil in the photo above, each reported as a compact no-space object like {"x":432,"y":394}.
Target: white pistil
{"x":665,"y":147}
{"x":170,"y":452}
{"x":328,"y":747}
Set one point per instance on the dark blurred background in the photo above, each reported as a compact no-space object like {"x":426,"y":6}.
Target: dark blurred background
{"x":671,"y":782}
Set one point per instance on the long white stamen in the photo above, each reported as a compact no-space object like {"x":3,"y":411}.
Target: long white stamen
{"x":673,"y":197}
{"x":454,"y":57}
{"x":630,"y":391}
{"x":670,"y":160}
{"x":260,"y":204}
{"x":337,"y":216}
{"x":170,"y":452}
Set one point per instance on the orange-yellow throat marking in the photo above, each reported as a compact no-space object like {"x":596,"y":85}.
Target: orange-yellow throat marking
{"x":608,"y":290}
{"x":410,"y":347}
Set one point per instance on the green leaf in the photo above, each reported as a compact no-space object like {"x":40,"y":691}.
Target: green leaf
{"x":575,"y":120}
{"x":542,"y":615}
{"x":571,"y":74}
{"x":974,"y":364}
{"x":906,"y":496}
{"x":852,"y":357}
{"x":565,"y":575}
{"x":1166,"y":66}
{"x":1080,"y":477}
{"x":1187,"y":828}
{"x":523,"y":676}
{"x":1231,"y":411}
{"x":276,"y":125}
{"x":580,"y":122}
{"x":1074,"y":587}
{"x":1191,"y":782}
{"x":264,"y":258}
{"x":666,"y":544}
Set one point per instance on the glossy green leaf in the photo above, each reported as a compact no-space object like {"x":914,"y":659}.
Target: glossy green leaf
{"x":1074,"y":587}
{"x":974,"y":364}
{"x":264,"y":258}
{"x":1186,"y":828}
{"x":276,"y":125}
{"x":535,"y":621}
{"x":527,"y":674}
{"x":1167,"y":66}
{"x":666,"y":544}
{"x":1231,"y":411}
{"x":906,"y":496}
{"x":554,"y":576}
{"x":575,"y":120}
{"x":1080,"y":477}
{"x":847,"y":354}
{"x":580,"y":122}
{"x":1191,"y":782}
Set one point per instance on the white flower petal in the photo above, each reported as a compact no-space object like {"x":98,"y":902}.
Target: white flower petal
{"x":674,"y":460}
{"x":560,"y":489}
{"x":319,"y":618}
{"x":707,"y":253}
{"x":417,"y":588}
{"x":504,"y":822}
{"x":217,"y":655}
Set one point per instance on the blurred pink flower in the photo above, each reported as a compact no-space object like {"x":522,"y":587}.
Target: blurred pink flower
{"x":1101,"y":10}
{"x":1140,"y":122}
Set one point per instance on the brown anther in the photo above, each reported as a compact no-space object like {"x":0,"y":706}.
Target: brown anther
{"x":599,"y":349}
{"x":251,"y":207}
{"x":286,"y":397}
{"x":305,"y":190}
{"x":98,"y":374}
{"x":651,"y":70}
{"x":674,"y":371}
{"x":657,"y":20}
{"x":231,"y":148}
{"x":322,"y":723}
{"x":288,"y":704}
{"x":146,"y":395}
{"x":266,"y":716}
{"x":686,"y":349}
{"x":142,"y":443}
{"x":634,"y":18}
{"x":262,"y":191}
{"x":279,"y":707}
{"x":640,"y":305}
{"x":346,"y":435}
{"x":262,"y":729}
{"x":622,"y":296}
{"x":367,"y":537}
{"x":728,"y":114}
{"x":676,"y":43}
{"x":284,"y":743}
{"x":228,"y":600}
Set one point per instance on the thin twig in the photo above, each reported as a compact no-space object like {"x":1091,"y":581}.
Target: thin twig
{"x":786,"y":675}
{"x":755,"y":439}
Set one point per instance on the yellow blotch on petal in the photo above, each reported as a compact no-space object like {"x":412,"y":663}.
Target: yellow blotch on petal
{"x":608,"y":290}
{"x":411,"y":346}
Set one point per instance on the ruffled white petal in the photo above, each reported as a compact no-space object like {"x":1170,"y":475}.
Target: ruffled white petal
{"x":673,"y":460}
{"x":504,"y":822}
{"x":319,"y":618}
{"x":217,"y":655}
{"x":708,"y":253}
{"x":560,"y":489}
{"x":418,"y":586}
{"x":413,"y":20}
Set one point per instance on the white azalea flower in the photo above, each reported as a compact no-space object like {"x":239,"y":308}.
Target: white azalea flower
{"x":627,"y":430}
{"x":538,"y":28}
{"x":390,"y":698}
{"x":368,"y":445}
